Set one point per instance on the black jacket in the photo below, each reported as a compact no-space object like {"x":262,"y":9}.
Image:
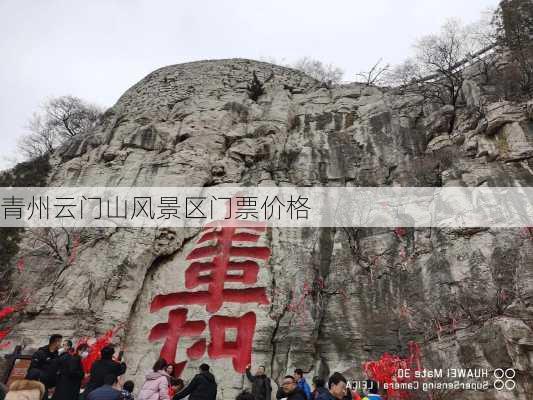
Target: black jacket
{"x":100,"y":369}
{"x":297,"y":394}
{"x":202,"y":387}
{"x":44,"y":362}
{"x":261,"y":388}
{"x":321,"y":393}
{"x":69,"y":378}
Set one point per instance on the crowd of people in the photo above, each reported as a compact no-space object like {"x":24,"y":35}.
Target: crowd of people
{"x":56,"y":373}
{"x":295,"y":387}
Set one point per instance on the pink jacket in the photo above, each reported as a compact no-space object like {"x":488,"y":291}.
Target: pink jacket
{"x":155,"y":387}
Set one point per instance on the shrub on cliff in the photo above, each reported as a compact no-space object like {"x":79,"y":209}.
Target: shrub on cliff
{"x":255,"y":88}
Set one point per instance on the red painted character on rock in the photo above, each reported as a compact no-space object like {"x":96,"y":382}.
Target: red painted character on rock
{"x":212,"y":265}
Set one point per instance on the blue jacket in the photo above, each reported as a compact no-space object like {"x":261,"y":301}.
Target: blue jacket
{"x":304,"y":387}
{"x":105,"y":392}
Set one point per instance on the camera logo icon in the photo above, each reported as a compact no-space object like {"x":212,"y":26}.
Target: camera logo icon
{"x":504,"y":379}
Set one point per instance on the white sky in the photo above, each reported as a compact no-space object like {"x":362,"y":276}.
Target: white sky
{"x":97,"y":49}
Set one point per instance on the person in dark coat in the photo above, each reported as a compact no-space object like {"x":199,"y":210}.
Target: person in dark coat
{"x":127,"y":391}
{"x":261,"y":387}
{"x":44,"y":363}
{"x":319,"y":389}
{"x":289,"y":390}
{"x":245,"y":395}
{"x":337,"y":386}
{"x":107,"y":391}
{"x":105,"y":366}
{"x":70,"y":373}
{"x":202,"y":387}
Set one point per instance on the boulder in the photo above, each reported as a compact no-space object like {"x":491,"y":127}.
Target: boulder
{"x":439,"y":121}
{"x":147,"y":138}
{"x":438,"y":143}
{"x":514,"y":142}
{"x":471,"y":93}
{"x":501,"y":113}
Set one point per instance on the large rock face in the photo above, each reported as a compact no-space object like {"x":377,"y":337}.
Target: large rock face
{"x":337,"y":297}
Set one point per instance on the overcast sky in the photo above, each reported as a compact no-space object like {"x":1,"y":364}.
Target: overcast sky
{"x":97,"y":49}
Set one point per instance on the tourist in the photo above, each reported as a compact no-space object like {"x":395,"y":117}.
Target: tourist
{"x":170,"y":370}
{"x":105,"y":366}
{"x":66,"y":347}
{"x":337,"y":386}
{"x":176,"y":385}
{"x":155,"y":386}
{"x":202,"y":387}
{"x":44,"y":364}
{"x":70,"y":373}
{"x":127,"y":390}
{"x":289,"y":389}
{"x":355,"y":394}
{"x":27,"y":389}
{"x":348,"y":395}
{"x":319,"y":390}
{"x":245,"y":395}
{"x":302,"y":383}
{"x":107,"y":391}
{"x":261,"y":387}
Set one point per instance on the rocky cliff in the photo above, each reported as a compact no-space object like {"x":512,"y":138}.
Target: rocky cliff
{"x":336,"y":297}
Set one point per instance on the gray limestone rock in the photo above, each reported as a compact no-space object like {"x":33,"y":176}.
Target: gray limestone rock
{"x":336,"y":297}
{"x":440,"y":121}
{"x":501,"y":113}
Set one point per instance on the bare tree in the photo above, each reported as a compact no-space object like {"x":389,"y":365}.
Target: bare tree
{"x":39,"y":141}
{"x":58,"y":243}
{"x":61,"y":119}
{"x":61,"y":244}
{"x":70,"y":116}
{"x":375,"y":75}
{"x":327,"y":73}
{"x":484,"y":35}
{"x":435,"y":71}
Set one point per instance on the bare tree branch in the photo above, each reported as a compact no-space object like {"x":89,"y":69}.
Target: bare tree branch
{"x":436,"y":70}
{"x":61,"y":119}
{"x":376,"y":73}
